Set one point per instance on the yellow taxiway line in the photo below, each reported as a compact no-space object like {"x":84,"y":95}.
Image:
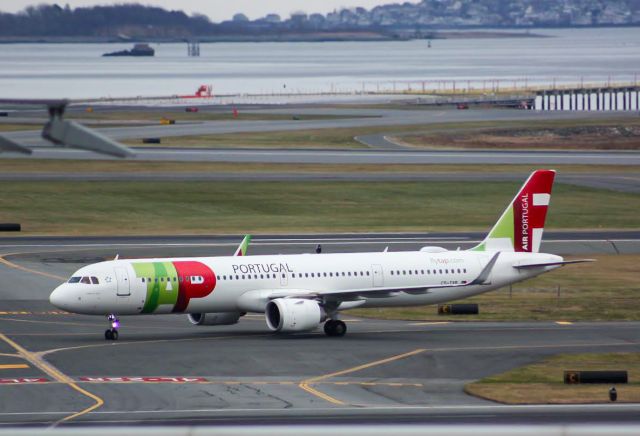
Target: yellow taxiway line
{"x":15,"y":366}
{"x":305,"y":384}
{"x":53,"y":372}
{"x":29,"y":270}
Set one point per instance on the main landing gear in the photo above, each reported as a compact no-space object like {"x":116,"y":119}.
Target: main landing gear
{"x":112,"y":333}
{"x":335,"y":327}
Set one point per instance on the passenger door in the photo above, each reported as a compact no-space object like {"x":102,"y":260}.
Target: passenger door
{"x":378,"y":278}
{"x":124,"y":287}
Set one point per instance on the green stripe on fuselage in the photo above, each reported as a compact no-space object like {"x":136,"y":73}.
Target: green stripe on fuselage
{"x":163,"y":287}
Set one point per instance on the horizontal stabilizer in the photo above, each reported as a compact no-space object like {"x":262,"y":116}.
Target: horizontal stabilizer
{"x":7,"y":144}
{"x":560,"y":263}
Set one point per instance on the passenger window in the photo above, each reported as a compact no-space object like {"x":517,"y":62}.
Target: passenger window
{"x":324,"y":274}
{"x":367,"y":272}
{"x":392,"y":272}
{"x":142,"y":279}
{"x":94,"y":280}
{"x":349,"y":273}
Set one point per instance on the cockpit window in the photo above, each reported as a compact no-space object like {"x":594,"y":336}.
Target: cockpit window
{"x":74,"y":280}
{"x":85,"y":280}
{"x":94,"y":280}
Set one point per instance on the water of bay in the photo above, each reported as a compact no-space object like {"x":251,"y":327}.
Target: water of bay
{"x":79,"y":71}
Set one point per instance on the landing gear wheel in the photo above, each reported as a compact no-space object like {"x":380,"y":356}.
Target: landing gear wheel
{"x":112,"y":333}
{"x":335,"y":327}
{"x":340,"y":328}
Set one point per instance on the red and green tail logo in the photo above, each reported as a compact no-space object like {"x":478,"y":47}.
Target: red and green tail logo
{"x":521,"y":225}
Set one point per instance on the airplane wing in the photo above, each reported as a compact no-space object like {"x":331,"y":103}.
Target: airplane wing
{"x":66,"y":133}
{"x":383,"y":292}
{"x":12,"y":146}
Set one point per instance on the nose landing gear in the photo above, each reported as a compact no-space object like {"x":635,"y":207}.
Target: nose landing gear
{"x":112,"y":333}
{"x":335,"y":327}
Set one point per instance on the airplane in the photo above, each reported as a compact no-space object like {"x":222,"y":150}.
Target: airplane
{"x":299,"y":292}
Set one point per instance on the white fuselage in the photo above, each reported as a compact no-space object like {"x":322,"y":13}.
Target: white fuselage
{"x":245,"y":284}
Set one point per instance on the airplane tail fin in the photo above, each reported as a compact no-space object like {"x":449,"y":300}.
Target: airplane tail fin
{"x":521,"y":225}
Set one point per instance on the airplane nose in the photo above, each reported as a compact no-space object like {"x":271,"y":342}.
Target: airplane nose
{"x":60,"y":298}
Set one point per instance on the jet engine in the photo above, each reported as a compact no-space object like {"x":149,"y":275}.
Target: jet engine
{"x":289,"y":315}
{"x":216,"y":318}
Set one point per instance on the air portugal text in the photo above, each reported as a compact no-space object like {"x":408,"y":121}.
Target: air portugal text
{"x":258,"y":268}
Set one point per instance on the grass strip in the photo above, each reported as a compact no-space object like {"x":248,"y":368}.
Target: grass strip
{"x":605,"y":290}
{"x":542,"y":382}
{"x":32,"y":165}
{"x":344,"y":137}
{"x":283,"y":207}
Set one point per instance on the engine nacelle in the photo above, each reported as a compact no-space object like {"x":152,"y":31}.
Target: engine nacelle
{"x":217,"y":318}
{"x":290,"y":315}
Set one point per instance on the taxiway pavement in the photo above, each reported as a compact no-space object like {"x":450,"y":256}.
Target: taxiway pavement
{"x":56,"y":366}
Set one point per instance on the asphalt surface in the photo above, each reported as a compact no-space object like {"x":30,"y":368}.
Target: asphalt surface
{"x":164,"y":370}
{"x":354,"y":156}
{"x":361,"y":118}
{"x":382,"y":151}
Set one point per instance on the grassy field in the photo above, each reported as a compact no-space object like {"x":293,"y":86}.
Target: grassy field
{"x":238,"y":207}
{"x":320,"y":138}
{"x":614,"y":134}
{"x":31,"y":165}
{"x":344,"y":137}
{"x":11,"y":127}
{"x":605,"y":290}
{"x":542,"y":383}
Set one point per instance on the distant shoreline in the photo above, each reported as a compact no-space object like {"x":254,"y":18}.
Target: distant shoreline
{"x":303,"y":37}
